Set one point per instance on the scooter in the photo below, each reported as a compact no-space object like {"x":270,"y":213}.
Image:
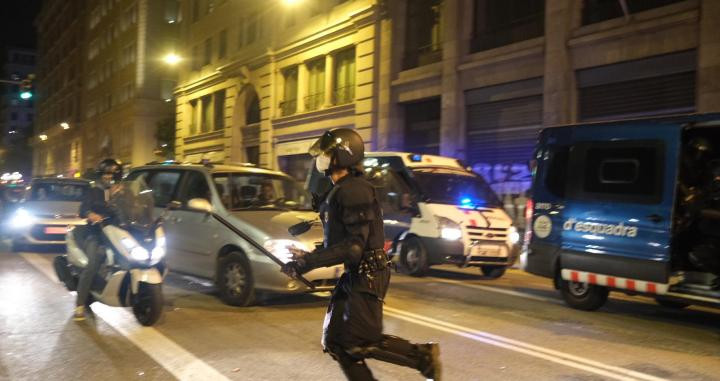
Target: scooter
{"x":134,"y":267}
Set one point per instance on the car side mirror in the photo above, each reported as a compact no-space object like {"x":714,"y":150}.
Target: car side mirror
{"x":300,"y":228}
{"x":174,"y":205}
{"x":200,"y":205}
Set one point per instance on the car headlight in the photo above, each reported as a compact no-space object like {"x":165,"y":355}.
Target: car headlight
{"x":279,"y":248}
{"x":449,"y":229}
{"x":21,"y":219}
{"x":513,"y":235}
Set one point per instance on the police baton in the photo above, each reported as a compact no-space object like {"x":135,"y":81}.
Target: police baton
{"x":259,"y":247}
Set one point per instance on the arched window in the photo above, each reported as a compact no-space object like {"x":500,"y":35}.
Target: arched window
{"x":252,"y":114}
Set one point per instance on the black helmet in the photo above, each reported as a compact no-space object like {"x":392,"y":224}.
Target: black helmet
{"x":343,"y":146}
{"x":110,"y":167}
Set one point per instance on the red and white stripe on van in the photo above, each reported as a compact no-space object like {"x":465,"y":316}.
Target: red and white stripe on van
{"x":615,"y":282}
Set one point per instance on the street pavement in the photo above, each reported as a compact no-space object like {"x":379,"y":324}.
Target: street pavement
{"x":513,"y":328}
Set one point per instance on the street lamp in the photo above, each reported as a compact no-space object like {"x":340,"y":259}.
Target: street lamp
{"x":172,"y":59}
{"x":65,"y":125}
{"x":43,"y":137}
{"x":291,"y":2}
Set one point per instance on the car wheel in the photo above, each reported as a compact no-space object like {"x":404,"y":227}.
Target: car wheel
{"x":671,"y":304}
{"x":235,"y":280}
{"x":413,"y":257}
{"x":583,"y":296}
{"x":148,"y":306}
{"x":493,"y":272}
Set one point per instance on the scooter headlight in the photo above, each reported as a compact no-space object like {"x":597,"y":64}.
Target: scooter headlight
{"x":21,"y":219}
{"x":139,"y":253}
{"x":160,"y":246}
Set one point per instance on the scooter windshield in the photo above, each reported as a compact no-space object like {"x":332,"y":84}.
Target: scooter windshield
{"x":133,"y":204}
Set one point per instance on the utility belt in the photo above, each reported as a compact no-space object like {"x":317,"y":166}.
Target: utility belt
{"x":372,"y":261}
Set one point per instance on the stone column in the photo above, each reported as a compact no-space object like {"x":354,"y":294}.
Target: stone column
{"x":708,"y":76}
{"x":559,"y":94}
{"x":329,"y":78}
{"x":302,"y":87}
{"x":452,"y":123}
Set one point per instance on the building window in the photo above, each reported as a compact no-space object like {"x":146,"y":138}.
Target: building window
{"x":241,"y":32}
{"x":193,"y":116}
{"x":252,"y":29}
{"x":423,"y":35}
{"x":195,"y":58}
{"x":252,"y":114}
{"x":222,"y":44}
{"x":208,"y":52}
{"x":422,"y":127}
{"x":167,"y":87}
{"x":252,"y":155}
{"x":289,"y":104}
{"x":209,"y":6}
{"x":600,"y":10}
{"x":503,"y":22}
{"x":195,"y":10}
{"x":344,"y":86}
{"x":316,"y":84}
{"x":219,"y":104}
{"x":206,"y":114}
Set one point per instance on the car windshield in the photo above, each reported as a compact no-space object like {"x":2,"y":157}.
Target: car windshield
{"x":455,"y":187}
{"x":58,"y":192}
{"x":248,"y":191}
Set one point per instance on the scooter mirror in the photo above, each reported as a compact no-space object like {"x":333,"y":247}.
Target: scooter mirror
{"x":200,"y":204}
{"x":300,"y":228}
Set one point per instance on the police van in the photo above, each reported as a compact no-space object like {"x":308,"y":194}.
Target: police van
{"x":631,"y":206}
{"x":436,"y":211}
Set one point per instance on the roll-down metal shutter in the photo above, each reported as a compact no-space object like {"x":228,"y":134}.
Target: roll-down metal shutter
{"x":503,"y":122}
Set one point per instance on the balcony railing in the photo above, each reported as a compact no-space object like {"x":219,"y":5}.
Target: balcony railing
{"x":517,"y":30}
{"x":343,"y":95}
{"x":423,"y":55}
{"x":314,"y":101}
{"x":288,"y":107}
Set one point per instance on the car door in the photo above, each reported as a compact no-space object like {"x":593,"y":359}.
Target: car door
{"x":165,"y":187}
{"x":197,"y":233}
{"x":621,"y":192}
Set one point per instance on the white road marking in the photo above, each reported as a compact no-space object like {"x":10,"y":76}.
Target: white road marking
{"x":175,"y":359}
{"x":551,"y":355}
{"x":496,"y":290}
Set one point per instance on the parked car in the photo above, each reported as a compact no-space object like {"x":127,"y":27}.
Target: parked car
{"x":436,"y":211}
{"x":260,"y":202}
{"x":630,"y":206}
{"x":49,"y":209}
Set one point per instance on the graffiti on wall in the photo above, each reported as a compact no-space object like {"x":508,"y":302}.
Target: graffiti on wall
{"x":511,"y":182}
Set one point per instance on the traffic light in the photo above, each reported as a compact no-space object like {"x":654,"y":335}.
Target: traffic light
{"x":26,"y":90}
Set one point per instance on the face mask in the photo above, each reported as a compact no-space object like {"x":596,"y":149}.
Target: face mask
{"x":322,"y":163}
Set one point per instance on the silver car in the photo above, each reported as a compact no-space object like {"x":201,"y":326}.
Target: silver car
{"x":50,"y":208}
{"x":261,"y":203}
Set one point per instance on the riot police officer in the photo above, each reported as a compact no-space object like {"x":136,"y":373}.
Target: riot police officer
{"x":353,"y":227}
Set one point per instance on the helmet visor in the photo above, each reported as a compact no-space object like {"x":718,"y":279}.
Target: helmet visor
{"x":324,"y":144}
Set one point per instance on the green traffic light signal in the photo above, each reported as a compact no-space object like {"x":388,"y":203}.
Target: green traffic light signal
{"x":26,"y":95}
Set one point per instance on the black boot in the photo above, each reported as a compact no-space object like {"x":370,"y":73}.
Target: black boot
{"x":430,"y":365}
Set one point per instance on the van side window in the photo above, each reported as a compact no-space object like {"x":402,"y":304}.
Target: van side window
{"x":163,"y":183}
{"x":393,"y":193}
{"x":556,"y":176}
{"x":620,"y":171}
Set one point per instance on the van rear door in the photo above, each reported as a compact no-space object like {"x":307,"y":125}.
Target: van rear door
{"x":621,"y":190}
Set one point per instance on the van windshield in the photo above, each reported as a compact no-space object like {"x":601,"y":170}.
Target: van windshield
{"x":454,"y":187}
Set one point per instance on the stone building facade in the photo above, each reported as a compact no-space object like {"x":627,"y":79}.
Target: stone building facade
{"x":473,"y":79}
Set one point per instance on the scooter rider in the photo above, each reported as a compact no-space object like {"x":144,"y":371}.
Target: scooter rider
{"x":95,"y":208}
{"x":353,"y":225}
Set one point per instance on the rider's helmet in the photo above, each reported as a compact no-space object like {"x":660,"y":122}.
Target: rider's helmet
{"x":338,"y":148}
{"x":110,"y":167}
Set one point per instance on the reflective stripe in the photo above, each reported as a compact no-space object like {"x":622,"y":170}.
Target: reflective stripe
{"x":615,"y":282}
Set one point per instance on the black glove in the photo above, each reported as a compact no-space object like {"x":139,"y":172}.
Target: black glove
{"x":291,"y":269}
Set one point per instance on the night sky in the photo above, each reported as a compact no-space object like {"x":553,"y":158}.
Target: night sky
{"x":16,"y":21}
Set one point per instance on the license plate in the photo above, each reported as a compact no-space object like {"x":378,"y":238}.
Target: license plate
{"x":487,"y":251}
{"x":55,"y":230}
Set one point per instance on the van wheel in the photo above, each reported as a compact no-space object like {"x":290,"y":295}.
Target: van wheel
{"x":583,"y":296}
{"x":235,"y":281}
{"x":671,"y":304}
{"x":493,"y":272}
{"x":413,"y":257}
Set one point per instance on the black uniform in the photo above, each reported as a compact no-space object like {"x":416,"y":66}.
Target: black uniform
{"x":353,"y":226}
{"x":88,"y":238}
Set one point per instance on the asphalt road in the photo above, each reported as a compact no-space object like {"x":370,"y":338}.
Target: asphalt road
{"x":514,"y":328}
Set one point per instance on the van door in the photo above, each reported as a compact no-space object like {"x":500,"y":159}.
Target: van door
{"x":618,"y":217}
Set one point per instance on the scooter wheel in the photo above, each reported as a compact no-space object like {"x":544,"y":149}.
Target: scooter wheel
{"x":148,"y":306}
